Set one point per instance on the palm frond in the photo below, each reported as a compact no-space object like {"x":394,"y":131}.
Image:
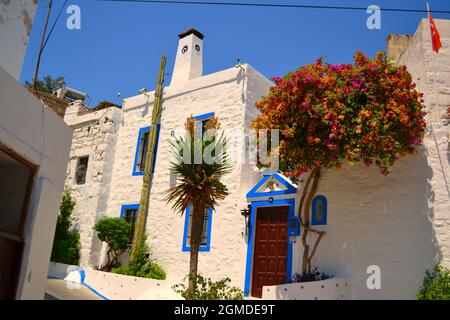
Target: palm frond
{"x":199,"y":180}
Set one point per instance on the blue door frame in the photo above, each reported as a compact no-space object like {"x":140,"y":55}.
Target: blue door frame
{"x":251,"y":235}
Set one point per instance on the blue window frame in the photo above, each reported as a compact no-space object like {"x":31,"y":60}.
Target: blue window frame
{"x":203,"y":120}
{"x":319,"y":210}
{"x":141,"y":150}
{"x":205,"y":245}
{"x":204,"y":117}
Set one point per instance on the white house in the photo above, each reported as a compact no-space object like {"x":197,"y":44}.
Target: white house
{"x":16,"y":21}
{"x":34,"y":148}
{"x":398,"y":223}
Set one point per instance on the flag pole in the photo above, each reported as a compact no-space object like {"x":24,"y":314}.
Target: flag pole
{"x":436,"y":100}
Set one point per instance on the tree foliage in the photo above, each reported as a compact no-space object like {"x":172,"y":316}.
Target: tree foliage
{"x":207,"y":289}
{"x":436,"y":284}
{"x":328,"y":114}
{"x":66,"y":243}
{"x":141,"y":265}
{"x":48,"y":84}
{"x":116,"y":233}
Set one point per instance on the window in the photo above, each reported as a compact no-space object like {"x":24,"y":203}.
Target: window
{"x":16,"y":183}
{"x":81,"y":170}
{"x":202,"y":122}
{"x":141,"y":150}
{"x":143,"y":147}
{"x":206,"y":236}
{"x":129,"y":213}
{"x":319,"y":210}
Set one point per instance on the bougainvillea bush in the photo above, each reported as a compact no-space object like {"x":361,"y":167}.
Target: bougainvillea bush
{"x":328,"y":114}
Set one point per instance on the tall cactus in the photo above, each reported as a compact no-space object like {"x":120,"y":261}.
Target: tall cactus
{"x":139,"y":231}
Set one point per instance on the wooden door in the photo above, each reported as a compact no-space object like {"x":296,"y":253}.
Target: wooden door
{"x":10,"y":254}
{"x":16,"y":183}
{"x":270,"y":249}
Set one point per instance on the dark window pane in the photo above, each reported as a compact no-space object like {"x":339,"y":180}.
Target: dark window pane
{"x":143,"y":147}
{"x":319,"y":210}
{"x":130,"y":216}
{"x":81,"y":170}
{"x":204,"y":240}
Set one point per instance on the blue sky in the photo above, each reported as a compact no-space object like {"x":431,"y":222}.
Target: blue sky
{"x":119,"y":46}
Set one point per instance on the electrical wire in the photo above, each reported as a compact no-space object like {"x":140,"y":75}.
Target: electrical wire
{"x":272,"y":5}
{"x":54,"y":24}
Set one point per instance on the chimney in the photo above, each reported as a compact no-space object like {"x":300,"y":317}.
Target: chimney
{"x":189,"y":60}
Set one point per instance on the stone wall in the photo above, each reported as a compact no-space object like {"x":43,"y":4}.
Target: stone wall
{"x":396,"y":45}
{"x":419,"y":59}
{"x":94,"y":135}
{"x":401,"y":222}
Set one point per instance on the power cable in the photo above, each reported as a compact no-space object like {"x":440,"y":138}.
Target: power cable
{"x":54,"y":24}
{"x":272,"y":5}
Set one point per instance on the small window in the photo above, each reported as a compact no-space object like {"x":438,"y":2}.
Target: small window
{"x":205,"y":242}
{"x":129,"y":213}
{"x":143,"y":147}
{"x":141,"y":150}
{"x":202,"y":122}
{"x":81,"y":170}
{"x":319,"y":210}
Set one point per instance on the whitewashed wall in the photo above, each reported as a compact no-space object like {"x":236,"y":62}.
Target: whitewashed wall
{"x":41,"y":137}
{"x":400,"y":222}
{"x":419,"y":60}
{"x":231,"y":94}
{"x":16,"y":20}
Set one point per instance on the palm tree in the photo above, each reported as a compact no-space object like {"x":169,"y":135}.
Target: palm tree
{"x":199,"y":181}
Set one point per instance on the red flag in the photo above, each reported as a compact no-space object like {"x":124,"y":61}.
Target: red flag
{"x":435,"y":37}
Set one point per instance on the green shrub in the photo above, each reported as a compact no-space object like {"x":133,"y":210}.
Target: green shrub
{"x":436,"y":284}
{"x":67,"y":250}
{"x":141,"y":265}
{"x":116,"y":233}
{"x":206,"y":289}
{"x":66,"y":243}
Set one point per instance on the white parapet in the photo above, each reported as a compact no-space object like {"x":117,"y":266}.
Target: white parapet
{"x":121,"y":287}
{"x":330,"y":289}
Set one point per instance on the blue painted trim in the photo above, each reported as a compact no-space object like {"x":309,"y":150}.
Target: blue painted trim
{"x":314,"y":220}
{"x":289,"y":188}
{"x":251,"y":235}
{"x":128,"y":207}
{"x":186,"y":246}
{"x":141,"y":132}
{"x":83,"y":277}
{"x":205,"y":116}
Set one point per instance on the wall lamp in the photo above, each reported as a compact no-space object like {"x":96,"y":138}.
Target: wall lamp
{"x":246,"y":214}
